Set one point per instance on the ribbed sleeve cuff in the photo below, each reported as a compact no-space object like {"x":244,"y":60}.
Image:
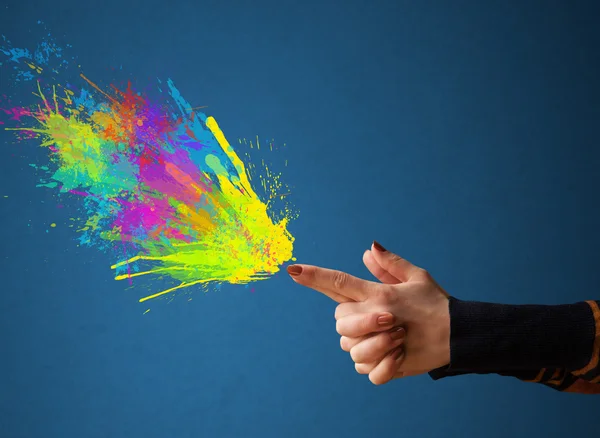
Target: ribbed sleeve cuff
{"x":488,"y":337}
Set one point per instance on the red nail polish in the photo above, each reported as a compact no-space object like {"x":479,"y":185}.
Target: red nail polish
{"x":294,"y":270}
{"x":385,"y":320}
{"x":397,"y":334}
{"x":378,"y":246}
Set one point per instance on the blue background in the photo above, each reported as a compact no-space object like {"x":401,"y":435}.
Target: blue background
{"x":462,"y":135}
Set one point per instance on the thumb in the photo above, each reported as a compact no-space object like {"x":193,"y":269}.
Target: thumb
{"x":376,"y":269}
{"x":362,"y":324}
{"x":400,"y":268}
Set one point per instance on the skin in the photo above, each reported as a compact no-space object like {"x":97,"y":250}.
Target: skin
{"x":407,"y":295}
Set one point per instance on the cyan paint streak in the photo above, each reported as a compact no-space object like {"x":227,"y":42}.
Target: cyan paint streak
{"x":26,"y":63}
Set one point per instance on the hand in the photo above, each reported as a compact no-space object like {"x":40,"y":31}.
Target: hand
{"x":417,"y":303}
{"x":348,"y":343}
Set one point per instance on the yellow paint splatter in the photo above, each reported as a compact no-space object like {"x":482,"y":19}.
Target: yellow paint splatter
{"x":193,"y":220}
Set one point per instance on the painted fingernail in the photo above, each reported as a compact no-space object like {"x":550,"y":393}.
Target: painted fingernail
{"x":397,"y":334}
{"x":294,"y":270}
{"x":385,"y":319}
{"x":378,"y":246}
{"x":398,"y":353}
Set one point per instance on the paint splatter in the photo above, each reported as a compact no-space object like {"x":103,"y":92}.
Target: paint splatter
{"x":160,"y":187}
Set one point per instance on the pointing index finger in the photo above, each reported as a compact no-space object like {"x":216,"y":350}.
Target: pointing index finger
{"x":329,"y":281}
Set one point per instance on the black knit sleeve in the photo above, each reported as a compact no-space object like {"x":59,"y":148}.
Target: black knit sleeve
{"x":486,"y":336}
{"x":552,"y":345}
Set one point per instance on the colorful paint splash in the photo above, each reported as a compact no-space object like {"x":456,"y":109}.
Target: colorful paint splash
{"x":160,"y":186}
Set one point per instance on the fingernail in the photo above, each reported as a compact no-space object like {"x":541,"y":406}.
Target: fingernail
{"x":378,"y":246}
{"x":385,"y":319}
{"x":397,"y":334}
{"x":398,"y":353}
{"x":294,"y":270}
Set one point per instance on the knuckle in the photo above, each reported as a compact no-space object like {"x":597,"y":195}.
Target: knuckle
{"x":338,"y":327}
{"x":375,"y":379}
{"x":338,"y":312}
{"x":395,"y":258}
{"x":340,"y":279}
{"x":356,"y":355}
{"x":425,"y":274}
{"x":361,"y":368}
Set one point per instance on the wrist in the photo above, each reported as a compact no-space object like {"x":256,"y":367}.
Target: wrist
{"x":445,"y":355}
{"x":442,"y":333}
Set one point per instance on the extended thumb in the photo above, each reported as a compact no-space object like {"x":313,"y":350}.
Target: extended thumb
{"x":400,"y":268}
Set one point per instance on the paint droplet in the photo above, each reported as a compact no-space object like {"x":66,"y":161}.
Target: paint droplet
{"x":147,"y":310}
{"x":53,"y":225}
{"x":6,"y":196}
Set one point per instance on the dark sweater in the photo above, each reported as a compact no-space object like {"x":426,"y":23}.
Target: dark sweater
{"x":552,"y":345}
